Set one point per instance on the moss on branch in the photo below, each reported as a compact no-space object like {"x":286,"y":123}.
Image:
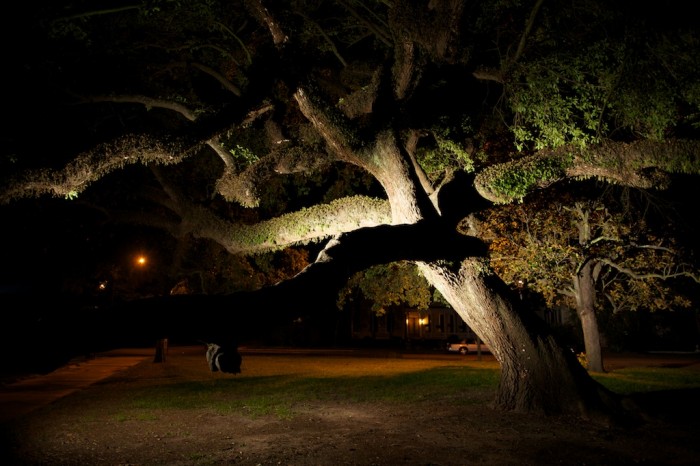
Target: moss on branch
{"x":300,"y":227}
{"x":511,"y":181}
{"x":641,"y":164}
{"x":92,"y":165}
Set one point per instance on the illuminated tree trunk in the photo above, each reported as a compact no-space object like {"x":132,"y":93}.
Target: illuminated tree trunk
{"x":584,"y":285}
{"x":537,"y":374}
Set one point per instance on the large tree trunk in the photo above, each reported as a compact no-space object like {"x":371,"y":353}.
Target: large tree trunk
{"x":584,"y":285}
{"x":537,"y":374}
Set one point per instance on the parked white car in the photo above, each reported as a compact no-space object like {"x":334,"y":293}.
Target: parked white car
{"x":466,"y":347}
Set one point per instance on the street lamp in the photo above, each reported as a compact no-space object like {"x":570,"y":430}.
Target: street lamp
{"x":141,"y":261}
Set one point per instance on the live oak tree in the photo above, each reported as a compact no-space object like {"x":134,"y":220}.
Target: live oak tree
{"x":590,"y":253}
{"x":416,"y":94}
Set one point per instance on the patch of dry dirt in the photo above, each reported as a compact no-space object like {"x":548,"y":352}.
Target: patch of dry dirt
{"x":85,"y":429}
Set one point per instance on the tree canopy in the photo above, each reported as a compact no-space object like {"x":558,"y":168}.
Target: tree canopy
{"x":440,"y":108}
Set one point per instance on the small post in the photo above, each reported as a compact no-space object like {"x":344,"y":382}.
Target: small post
{"x":161,"y":350}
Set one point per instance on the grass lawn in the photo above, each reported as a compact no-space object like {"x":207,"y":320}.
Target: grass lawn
{"x":312,"y":410}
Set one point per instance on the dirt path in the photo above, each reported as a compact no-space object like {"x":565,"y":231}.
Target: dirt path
{"x":30,"y":393}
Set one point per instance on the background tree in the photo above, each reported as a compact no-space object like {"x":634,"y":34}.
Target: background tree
{"x":387,"y":287}
{"x":394,"y":284}
{"x":588,"y":254}
{"x":219,"y":98}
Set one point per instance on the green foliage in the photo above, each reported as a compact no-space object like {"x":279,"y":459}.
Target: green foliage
{"x":647,"y":109}
{"x":243,"y":156}
{"x":557,"y":102}
{"x":389,"y":285}
{"x":446,"y":149}
{"x":516,"y":179}
{"x":582,"y":81}
{"x":659,"y":88}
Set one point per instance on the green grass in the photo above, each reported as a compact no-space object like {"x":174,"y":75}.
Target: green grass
{"x":280,"y":395}
{"x":649,"y":379}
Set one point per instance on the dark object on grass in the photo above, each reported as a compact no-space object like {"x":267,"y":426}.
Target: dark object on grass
{"x":224,"y":359}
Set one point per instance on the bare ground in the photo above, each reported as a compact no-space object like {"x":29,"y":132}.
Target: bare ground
{"x":93,"y":426}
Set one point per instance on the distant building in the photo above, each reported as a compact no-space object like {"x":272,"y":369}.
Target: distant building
{"x":437,"y":324}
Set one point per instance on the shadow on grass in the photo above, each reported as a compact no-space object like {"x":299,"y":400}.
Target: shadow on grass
{"x":678,"y":406}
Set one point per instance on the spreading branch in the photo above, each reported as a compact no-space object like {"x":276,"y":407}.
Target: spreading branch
{"x":259,"y":10}
{"x":94,"y":164}
{"x":640,"y":164}
{"x":678,"y":272}
{"x":316,"y":286}
{"x":301,"y":227}
{"x":146,"y":101}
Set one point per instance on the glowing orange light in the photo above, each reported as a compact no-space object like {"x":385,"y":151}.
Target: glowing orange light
{"x":141,"y":260}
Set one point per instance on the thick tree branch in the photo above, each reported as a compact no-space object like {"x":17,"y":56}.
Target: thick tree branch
{"x":488,"y":74}
{"x":103,"y":159}
{"x":147,"y":102}
{"x":226,"y":318}
{"x":333,"y":133}
{"x":385,"y":159}
{"x":259,"y":10}
{"x":301,"y":227}
{"x":640,"y":164}
{"x":411,"y":143}
{"x":92,"y":165}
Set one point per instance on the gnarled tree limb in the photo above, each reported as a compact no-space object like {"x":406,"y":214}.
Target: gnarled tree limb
{"x":640,"y":164}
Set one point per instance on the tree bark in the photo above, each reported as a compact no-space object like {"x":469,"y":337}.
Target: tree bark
{"x":584,"y":285}
{"x":537,"y":374}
